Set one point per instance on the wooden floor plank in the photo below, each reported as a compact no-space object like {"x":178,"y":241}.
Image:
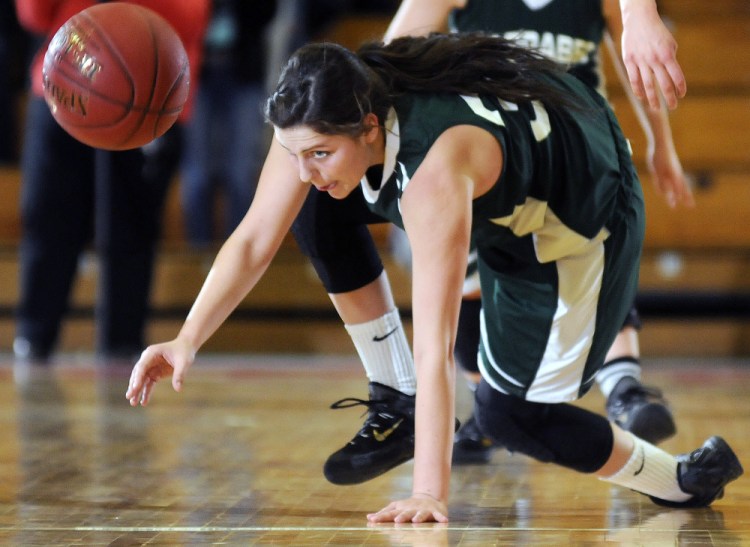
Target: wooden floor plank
{"x":236,"y":459}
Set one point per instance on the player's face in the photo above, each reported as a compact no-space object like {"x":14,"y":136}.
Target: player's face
{"x":332,"y":163}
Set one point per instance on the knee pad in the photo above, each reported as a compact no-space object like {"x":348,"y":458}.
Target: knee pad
{"x":555,"y":433}
{"x":337,"y":240}
{"x":502,"y":418}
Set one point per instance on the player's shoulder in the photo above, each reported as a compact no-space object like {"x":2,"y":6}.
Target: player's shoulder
{"x":436,"y":110}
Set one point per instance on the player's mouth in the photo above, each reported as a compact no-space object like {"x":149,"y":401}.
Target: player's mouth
{"x":326,"y":188}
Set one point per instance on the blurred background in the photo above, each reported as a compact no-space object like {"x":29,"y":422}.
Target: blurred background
{"x":695,"y":276}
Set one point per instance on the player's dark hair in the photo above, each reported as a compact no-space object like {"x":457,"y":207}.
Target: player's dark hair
{"x":331,"y":89}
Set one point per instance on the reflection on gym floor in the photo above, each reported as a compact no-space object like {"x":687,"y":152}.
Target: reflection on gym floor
{"x":236,"y":459}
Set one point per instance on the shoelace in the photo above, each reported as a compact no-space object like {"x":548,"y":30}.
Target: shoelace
{"x":374,"y":407}
{"x":349,"y":402}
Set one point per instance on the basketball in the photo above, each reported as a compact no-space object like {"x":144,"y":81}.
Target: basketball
{"x":116,"y":76}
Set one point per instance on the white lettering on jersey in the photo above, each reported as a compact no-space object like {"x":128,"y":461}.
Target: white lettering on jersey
{"x":560,"y":47}
{"x":477,"y":106}
{"x":535,"y":5}
{"x":539,"y":125}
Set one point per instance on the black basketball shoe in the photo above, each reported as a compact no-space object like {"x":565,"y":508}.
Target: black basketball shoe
{"x":704,"y":473}
{"x":385,"y":440}
{"x":641,"y":410}
{"x":471,"y":446}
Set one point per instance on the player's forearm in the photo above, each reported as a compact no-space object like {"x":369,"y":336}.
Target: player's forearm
{"x":235,"y":271}
{"x":419,"y":18}
{"x":638,"y":7}
{"x":434,"y":423}
{"x":659,"y":127}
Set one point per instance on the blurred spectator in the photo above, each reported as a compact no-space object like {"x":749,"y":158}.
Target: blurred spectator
{"x":12,"y":58}
{"x":226,"y":139}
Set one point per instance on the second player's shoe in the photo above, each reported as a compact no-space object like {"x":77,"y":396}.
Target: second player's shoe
{"x":385,"y":440}
{"x":471,"y":446}
{"x":641,"y":410}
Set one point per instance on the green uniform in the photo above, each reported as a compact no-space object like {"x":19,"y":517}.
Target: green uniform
{"x":568,"y":31}
{"x":558,"y":237}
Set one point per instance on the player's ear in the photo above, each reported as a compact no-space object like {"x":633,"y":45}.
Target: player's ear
{"x":371,"y":127}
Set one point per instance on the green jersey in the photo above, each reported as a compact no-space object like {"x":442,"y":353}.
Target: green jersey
{"x":568,"y":31}
{"x":561,"y":170}
{"x":558,"y":235}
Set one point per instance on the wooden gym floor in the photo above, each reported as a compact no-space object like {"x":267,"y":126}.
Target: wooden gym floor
{"x":236,"y":460}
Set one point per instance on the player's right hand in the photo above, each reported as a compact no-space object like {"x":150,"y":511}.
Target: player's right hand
{"x":157,"y":362}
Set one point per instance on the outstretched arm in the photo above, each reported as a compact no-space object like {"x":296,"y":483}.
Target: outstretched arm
{"x":663,"y":162}
{"x":650,"y":54}
{"x":436,"y":208}
{"x":239,"y":265}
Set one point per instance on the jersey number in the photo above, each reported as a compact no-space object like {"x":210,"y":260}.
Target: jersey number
{"x":539,"y":125}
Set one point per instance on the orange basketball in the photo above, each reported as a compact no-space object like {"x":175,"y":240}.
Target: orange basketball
{"x":116,"y":76}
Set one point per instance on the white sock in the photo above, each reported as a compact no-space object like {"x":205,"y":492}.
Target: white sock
{"x":613,"y":371}
{"x":650,"y":470}
{"x":385,"y":353}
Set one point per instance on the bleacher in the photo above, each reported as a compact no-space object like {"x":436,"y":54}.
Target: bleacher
{"x":695,"y":287}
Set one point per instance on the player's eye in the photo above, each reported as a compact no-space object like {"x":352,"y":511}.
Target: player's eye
{"x":319,"y":154}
